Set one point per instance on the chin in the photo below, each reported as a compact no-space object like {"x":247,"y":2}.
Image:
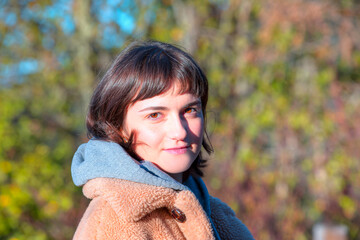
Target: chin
{"x":176,"y":169}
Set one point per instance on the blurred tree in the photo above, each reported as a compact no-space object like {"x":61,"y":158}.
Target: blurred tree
{"x":49,"y":57}
{"x":284,"y":99}
{"x":284,"y":103}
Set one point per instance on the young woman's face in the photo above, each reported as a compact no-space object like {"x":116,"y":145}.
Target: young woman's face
{"x":168,"y":130}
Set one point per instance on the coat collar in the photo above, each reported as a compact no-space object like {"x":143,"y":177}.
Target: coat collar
{"x":121,"y":194}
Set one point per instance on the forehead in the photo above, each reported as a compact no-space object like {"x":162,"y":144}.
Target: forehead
{"x":149,"y":88}
{"x":173,"y":97}
{"x":149,"y":92}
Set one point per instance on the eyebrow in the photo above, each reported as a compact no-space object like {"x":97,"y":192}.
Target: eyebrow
{"x":162,"y":108}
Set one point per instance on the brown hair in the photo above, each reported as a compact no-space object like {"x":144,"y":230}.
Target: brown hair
{"x":144,"y":70}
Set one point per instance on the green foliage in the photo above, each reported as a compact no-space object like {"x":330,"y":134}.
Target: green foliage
{"x":285,"y":98}
{"x":283,"y":108}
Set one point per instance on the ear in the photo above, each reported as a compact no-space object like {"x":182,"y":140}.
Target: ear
{"x":124,"y":136}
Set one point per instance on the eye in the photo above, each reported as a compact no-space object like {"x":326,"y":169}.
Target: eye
{"x":190,"y":110}
{"x":153,"y":115}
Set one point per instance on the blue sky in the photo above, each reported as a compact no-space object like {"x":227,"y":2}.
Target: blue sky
{"x":116,"y":16}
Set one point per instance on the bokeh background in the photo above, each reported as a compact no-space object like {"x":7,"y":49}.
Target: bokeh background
{"x":284,"y":105}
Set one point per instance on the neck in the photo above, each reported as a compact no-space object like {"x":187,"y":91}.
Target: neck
{"x":177,"y":176}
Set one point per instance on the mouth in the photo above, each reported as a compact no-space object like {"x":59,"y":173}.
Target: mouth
{"x":177,"y":150}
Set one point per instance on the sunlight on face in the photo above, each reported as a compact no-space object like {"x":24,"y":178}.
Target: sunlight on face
{"x":168,"y":130}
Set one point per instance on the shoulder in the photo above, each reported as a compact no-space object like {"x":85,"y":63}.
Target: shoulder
{"x":226,"y":222}
{"x":122,"y":209}
{"x":115,"y":206}
{"x":219,"y":207}
{"x":99,"y":215}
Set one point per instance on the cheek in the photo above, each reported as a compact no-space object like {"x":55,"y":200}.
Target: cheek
{"x":147,"y":137}
{"x":197,"y":128}
{"x":143,"y":134}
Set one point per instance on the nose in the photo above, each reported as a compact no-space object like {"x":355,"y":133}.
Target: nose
{"x":177,"y":128}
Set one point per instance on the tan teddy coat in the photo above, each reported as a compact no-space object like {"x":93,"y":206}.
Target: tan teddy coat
{"x":122,"y":209}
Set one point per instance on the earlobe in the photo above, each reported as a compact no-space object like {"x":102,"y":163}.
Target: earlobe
{"x":124,"y":135}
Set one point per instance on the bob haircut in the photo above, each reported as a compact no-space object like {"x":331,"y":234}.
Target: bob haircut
{"x":144,"y":70}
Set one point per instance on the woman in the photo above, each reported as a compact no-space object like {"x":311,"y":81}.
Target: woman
{"x":142,"y":166}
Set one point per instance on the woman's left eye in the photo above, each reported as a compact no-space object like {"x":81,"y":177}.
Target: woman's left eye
{"x":190,"y":110}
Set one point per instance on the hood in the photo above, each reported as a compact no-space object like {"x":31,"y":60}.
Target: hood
{"x":99,"y":158}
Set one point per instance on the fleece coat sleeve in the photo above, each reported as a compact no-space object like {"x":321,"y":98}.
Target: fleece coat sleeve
{"x":226,"y":223}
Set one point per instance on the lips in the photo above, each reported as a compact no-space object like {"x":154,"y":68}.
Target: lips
{"x":177,"y":150}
